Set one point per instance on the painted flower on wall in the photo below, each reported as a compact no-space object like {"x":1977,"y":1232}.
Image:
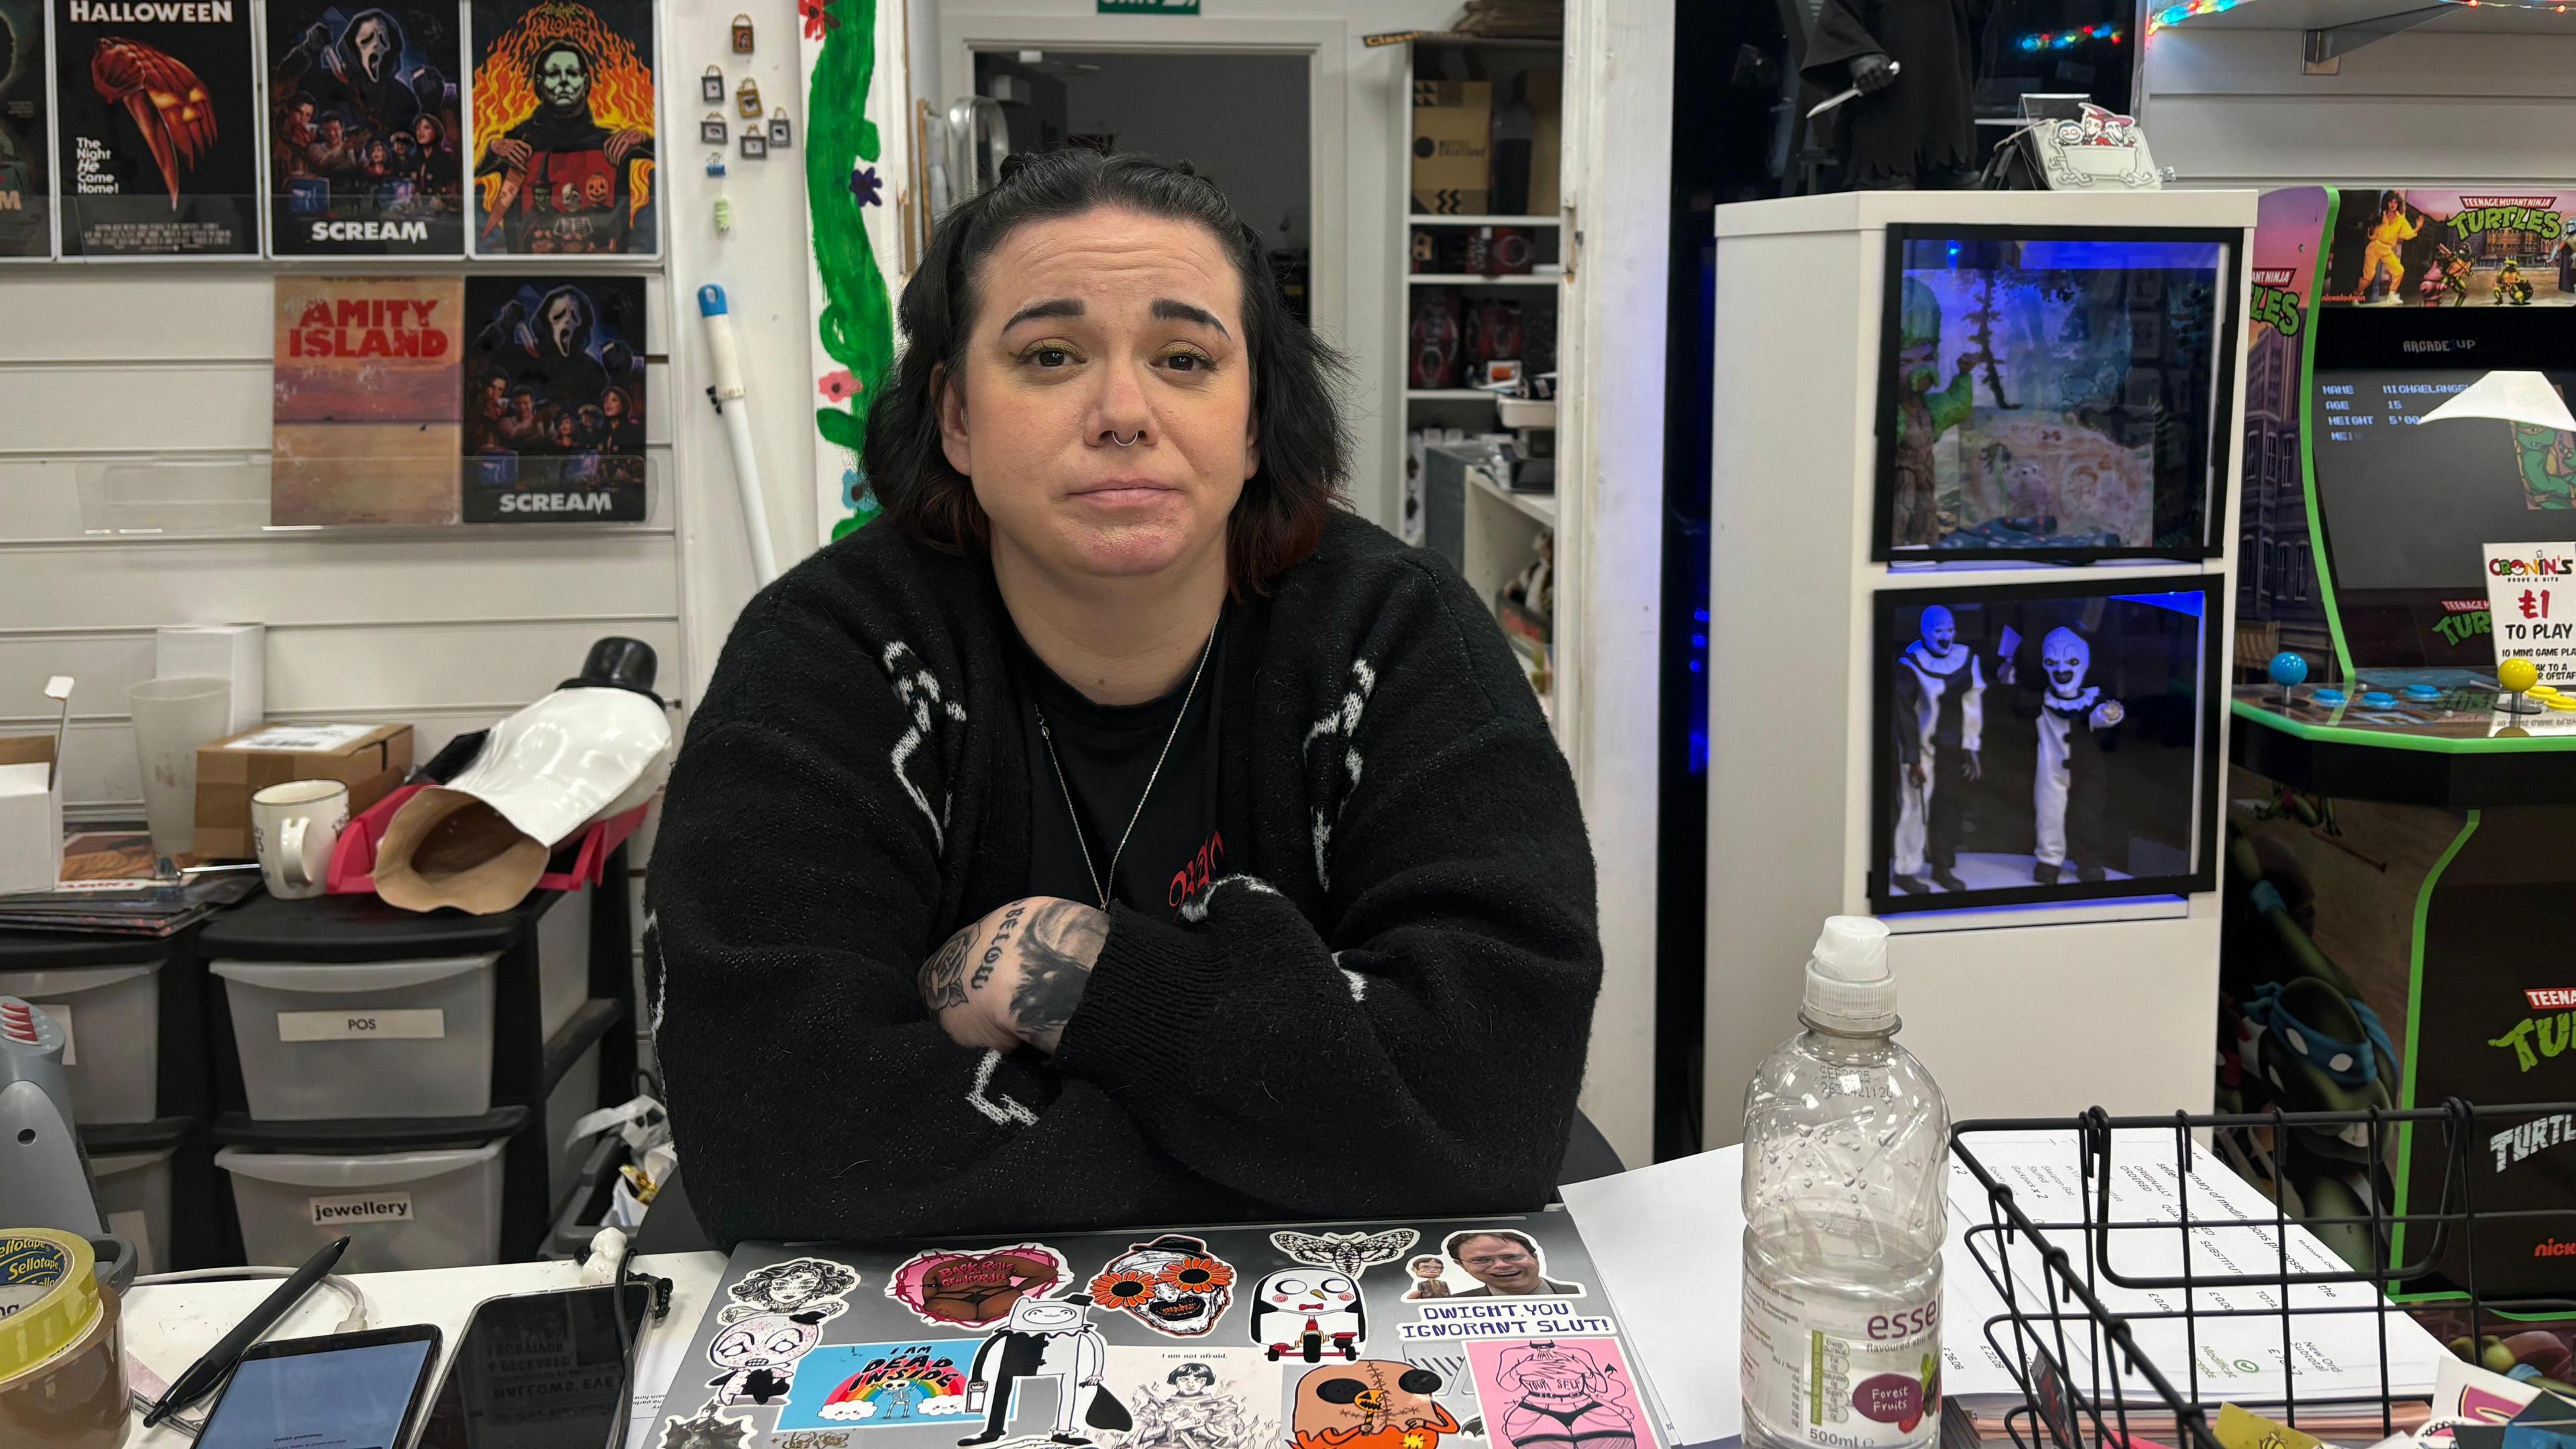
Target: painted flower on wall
{"x":867,"y":186}
{"x":818,"y":17}
{"x":838,"y":386}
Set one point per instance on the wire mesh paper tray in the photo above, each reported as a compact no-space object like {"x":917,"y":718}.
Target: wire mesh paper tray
{"x":2085,"y":1373}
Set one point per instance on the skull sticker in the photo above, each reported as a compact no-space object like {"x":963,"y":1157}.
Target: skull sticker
{"x":1172,"y":1285}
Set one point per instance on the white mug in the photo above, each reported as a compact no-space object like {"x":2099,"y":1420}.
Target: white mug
{"x":293,"y":830}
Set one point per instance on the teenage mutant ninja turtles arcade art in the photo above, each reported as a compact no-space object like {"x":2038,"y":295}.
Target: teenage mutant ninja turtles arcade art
{"x":1201,"y":1338}
{"x":2053,"y":395}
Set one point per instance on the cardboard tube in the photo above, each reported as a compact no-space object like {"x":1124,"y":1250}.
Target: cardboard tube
{"x":447,"y":848}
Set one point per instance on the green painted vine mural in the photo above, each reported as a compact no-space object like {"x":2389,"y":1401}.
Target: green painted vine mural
{"x":856,"y":323}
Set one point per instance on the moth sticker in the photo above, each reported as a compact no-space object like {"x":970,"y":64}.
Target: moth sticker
{"x":880,"y":1385}
{"x":1172,"y":1285}
{"x":974,"y":1290}
{"x":799,"y":1285}
{"x":1371,"y":1404}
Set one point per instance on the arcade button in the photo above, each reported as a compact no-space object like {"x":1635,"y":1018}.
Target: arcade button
{"x":2422,"y":691}
{"x":2379,"y":699}
{"x":2327,"y":695}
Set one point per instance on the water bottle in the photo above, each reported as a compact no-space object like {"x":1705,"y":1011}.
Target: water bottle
{"x":1846,"y":1142}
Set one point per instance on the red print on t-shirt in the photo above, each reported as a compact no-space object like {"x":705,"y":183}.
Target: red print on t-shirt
{"x":1195,"y":875}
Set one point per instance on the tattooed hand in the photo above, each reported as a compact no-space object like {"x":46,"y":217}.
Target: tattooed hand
{"x":1016,"y":975}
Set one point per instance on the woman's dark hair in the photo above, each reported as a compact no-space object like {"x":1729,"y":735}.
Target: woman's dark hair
{"x":1304,"y":447}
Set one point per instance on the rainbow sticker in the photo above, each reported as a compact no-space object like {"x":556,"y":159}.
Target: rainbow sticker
{"x":880,"y":1385}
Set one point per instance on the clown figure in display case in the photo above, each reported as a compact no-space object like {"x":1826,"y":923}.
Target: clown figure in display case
{"x":2070,"y":796}
{"x":1940,"y":724}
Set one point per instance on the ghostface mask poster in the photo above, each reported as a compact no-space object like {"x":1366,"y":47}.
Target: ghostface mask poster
{"x":365,"y":115}
{"x":158,"y":144}
{"x":563,"y":128}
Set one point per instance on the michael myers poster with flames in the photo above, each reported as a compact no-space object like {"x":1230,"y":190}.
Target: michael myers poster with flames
{"x":158,"y":140}
{"x":563,"y":128}
{"x":365,"y":122}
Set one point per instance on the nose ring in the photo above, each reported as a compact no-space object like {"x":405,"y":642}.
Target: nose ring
{"x":1125,"y":442}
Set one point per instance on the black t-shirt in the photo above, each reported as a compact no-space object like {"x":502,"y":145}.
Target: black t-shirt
{"x":1107,"y":753}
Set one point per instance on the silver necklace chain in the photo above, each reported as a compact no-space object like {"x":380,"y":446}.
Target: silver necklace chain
{"x":1177,"y":721}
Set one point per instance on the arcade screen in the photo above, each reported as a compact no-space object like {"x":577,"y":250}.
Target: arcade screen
{"x":2408,"y":507}
{"x":2053,"y":396}
{"x":2044,"y":742}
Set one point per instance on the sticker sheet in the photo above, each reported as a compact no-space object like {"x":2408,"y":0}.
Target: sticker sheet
{"x":156,"y":147}
{"x":1483,"y":1332}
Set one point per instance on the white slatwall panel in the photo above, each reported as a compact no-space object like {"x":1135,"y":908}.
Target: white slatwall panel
{"x":447,"y":630}
{"x":2228,"y":107}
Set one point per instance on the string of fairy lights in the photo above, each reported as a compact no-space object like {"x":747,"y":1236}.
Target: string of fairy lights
{"x":2171,"y":15}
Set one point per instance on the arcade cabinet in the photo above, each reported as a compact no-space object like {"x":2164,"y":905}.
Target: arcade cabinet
{"x":2401,"y":829}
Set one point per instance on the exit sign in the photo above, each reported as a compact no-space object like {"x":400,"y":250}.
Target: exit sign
{"x":1149,"y":7}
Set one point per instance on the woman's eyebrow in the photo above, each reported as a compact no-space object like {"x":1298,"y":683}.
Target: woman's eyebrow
{"x":1060,"y":307}
{"x":1169,"y":310}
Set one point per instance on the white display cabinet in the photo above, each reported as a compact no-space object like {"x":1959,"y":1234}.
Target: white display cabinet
{"x":2027,"y":1009}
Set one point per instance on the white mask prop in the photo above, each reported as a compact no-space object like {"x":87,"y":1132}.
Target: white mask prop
{"x":2065,"y":658}
{"x":1940,"y":629}
{"x":596,"y":747}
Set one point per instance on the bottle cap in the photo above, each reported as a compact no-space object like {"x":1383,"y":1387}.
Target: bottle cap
{"x":1849,"y":988}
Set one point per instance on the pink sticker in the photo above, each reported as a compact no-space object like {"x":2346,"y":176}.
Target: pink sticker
{"x":1558,"y":1394}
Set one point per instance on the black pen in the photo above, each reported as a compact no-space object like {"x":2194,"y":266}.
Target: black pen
{"x":205,"y":1373}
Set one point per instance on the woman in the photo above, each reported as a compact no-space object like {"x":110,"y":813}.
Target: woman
{"x":1116,"y":832}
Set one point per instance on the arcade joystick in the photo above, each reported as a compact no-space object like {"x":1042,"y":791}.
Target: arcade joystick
{"x":2287,"y":670}
{"x":2516,"y":677}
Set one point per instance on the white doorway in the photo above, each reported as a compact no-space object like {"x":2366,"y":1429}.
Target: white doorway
{"x":1243,"y":119}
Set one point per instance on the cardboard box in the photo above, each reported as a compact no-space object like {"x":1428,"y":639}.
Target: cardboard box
{"x":31,"y":814}
{"x":370,"y":759}
{"x":1545,"y":92}
{"x":1453,"y":146}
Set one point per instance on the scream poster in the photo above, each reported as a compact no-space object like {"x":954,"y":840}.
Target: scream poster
{"x":563,"y":128}
{"x":364,"y":116}
{"x":157,"y":142}
{"x":26,"y":226}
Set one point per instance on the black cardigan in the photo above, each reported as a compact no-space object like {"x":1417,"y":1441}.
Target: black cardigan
{"x":1391,"y":1021}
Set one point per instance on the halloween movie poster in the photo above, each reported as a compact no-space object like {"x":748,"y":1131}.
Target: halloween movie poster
{"x":158,"y":148}
{"x":26,"y":220}
{"x":554,"y":399}
{"x":365,"y":120}
{"x":563,"y":128}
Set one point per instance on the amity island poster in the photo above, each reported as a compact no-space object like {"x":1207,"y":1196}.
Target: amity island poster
{"x":26,"y":220}
{"x":563,"y":128}
{"x":554,"y":399}
{"x":156,"y":148}
{"x":365,"y":119}
{"x":369,"y":393}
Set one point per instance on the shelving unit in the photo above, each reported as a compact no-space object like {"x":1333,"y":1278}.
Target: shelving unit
{"x":1490,"y":532}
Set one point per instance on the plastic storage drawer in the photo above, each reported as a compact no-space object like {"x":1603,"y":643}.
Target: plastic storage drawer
{"x":437,"y":1209}
{"x":134,"y":1195}
{"x":367,"y":1039}
{"x":113,"y":1016}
